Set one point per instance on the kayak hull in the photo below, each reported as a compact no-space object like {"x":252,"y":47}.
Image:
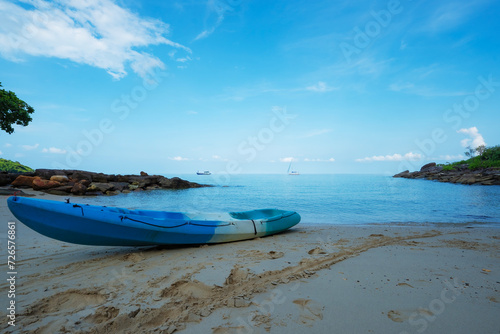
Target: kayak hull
{"x":109,"y":226}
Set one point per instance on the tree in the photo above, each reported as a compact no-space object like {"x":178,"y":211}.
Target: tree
{"x":470,"y":152}
{"x":13,"y":111}
{"x":480,"y":149}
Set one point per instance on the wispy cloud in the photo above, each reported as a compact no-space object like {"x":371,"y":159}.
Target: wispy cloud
{"x":179,"y":158}
{"x":54,"y":150}
{"x":475,"y":140}
{"x":449,"y":157}
{"x":218,"y":158}
{"x":30,"y":147}
{"x":242,"y":93}
{"x":425,"y":91}
{"x":98,"y":33}
{"x":394,"y":157}
{"x":452,"y":14}
{"x":287,"y":159}
{"x":216,"y":12}
{"x":320,"y":87}
{"x":319,"y":160}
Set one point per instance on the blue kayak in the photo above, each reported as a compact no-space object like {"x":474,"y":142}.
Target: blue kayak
{"x":107,"y":226}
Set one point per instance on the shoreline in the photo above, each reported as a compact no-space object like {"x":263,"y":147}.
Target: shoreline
{"x":355,"y":278}
{"x":460,"y":175}
{"x":66,"y":182}
{"x":8,"y":191}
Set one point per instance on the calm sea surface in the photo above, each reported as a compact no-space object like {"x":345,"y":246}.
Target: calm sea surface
{"x":337,"y":199}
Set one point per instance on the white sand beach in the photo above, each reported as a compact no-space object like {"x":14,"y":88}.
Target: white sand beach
{"x":311,"y":279}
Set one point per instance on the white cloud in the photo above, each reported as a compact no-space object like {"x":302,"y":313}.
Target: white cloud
{"x":8,"y":145}
{"x":1,"y":152}
{"x":475,"y":140}
{"x":179,"y":158}
{"x":218,"y":158}
{"x":98,"y":33}
{"x":320,"y":87}
{"x":54,"y":150}
{"x":394,"y":157}
{"x":216,"y":11}
{"x":319,"y":160}
{"x":449,"y":157}
{"x":288,"y":159}
{"x":30,"y":147}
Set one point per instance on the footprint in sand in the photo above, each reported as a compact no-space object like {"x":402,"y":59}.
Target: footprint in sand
{"x":74,"y":300}
{"x":309,"y":310}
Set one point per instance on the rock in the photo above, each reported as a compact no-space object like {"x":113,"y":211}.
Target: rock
{"x":142,"y":181}
{"x":39,"y":184}
{"x":100,"y":186}
{"x":62,"y":190}
{"x":178,"y":183}
{"x":165,"y":182}
{"x":59,"y":178}
{"x":80,"y":182}
{"x":402,"y":174}
{"x":100,"y":177}
{"x":79,"y":189}
{"x":6,"y":178}
{"x":112,"y":192}
{"x":24,"y":181}
{"x":240,"y":302}
{"x":86,"y":183}
{"x":48,"y":173}
{"x":120,"y":185}
{"x":80,"y":175}
{"x":427,"y":166}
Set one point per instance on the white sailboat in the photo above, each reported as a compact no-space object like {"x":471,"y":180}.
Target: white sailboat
{"x":291,"y":171}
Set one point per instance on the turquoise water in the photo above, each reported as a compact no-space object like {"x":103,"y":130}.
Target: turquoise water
{"x":337,"y":199}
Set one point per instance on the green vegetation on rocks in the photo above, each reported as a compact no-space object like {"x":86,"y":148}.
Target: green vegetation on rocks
{"x":13,"y":167}
{"x":482,"y":157}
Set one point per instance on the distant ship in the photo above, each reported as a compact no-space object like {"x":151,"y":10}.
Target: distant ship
{"x":292,"y":172}
{"x":206,"y":172}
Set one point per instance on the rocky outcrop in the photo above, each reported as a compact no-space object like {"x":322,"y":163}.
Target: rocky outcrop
{"x":460,"y":174}
{"x":79,"y":183}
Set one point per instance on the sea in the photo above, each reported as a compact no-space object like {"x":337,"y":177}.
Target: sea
{"x":326,"y":199}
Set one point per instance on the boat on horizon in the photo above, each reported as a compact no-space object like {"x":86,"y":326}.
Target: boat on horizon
{"x":292,"y":172}
{"x":111,"y":226}
{"x":206,"y":172}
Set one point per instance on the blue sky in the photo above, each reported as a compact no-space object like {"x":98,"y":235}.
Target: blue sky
{"x":236,"y":86}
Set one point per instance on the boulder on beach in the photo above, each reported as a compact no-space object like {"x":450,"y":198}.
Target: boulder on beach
{"x":79,"y":182}
{"x":79,"y":189}
{"x":23,"y":181}
{"x":59,"y":178}
{"x":41,"y":184}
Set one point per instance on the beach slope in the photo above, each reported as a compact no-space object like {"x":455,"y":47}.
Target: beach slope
{"x":313,"y":278}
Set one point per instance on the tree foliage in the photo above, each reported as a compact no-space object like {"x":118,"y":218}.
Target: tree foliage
{"x":13,"y":111}
{"x":13,"y":167}
{"x":480,"y":157}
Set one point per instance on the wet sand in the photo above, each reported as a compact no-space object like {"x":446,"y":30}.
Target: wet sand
{"x":313,"y":278}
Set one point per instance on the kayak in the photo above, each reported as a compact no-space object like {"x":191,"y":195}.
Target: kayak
{"x":109,"y":226}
